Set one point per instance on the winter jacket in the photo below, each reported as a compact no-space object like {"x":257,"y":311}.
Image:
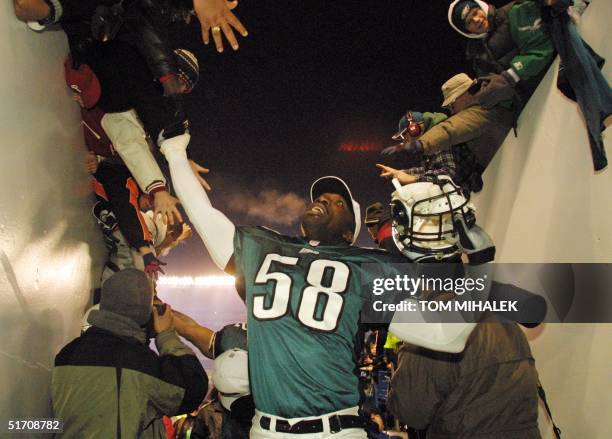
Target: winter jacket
{"x":96,"y":139}
{"x":127,"y":63}
{"x":581,"y":79}
{"x":518,"y":40}
{"x":129,"y":138}
{"x":483,"y":130}
{"x":108,"y":384}
{"x":144,"y":24}
{"x":489,"y":391}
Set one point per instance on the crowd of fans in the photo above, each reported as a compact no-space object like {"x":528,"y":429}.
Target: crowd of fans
{"x":131,"y":85}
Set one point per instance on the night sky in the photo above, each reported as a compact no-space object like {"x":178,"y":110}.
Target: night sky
{"x":309,"y":83}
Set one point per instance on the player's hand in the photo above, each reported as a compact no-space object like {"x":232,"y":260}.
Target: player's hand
{"x":216,"y":17}
{"x":91,"y":163}
{"x":163,"y":322}
{"x":182,"y":322}
{"x":197,"y":170}
{"x":166,"y":205}
{"x":403,"y":177}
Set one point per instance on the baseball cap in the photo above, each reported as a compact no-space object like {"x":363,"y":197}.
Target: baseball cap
{"x":83,"y":81}
{"x":231,"y":376}
{"x":335,"y":185}
{"x":455,"y":87}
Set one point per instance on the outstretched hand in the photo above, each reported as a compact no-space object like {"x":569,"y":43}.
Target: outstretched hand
{"x":216,"y":17}
{"x":388,"y":172}
{"x":197,"y":170}
{"x":393,"y":149}
{"x":166,"y":205}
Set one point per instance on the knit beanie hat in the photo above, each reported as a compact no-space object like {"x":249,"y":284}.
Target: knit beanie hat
{"x":458,"y":11}
{"x":188,"y":68}
{"x":128,"y":293}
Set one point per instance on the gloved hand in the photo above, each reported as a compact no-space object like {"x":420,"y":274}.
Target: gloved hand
{"x":153,"y":266}
{"x":102,"y":212}
{"x":495,"y":89}
{"x":413,"y":148}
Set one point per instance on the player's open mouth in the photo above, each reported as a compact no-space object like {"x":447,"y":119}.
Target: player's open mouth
{"x":317,"y":210}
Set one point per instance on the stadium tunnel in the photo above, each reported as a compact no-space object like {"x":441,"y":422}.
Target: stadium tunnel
{"x":542,"y":203}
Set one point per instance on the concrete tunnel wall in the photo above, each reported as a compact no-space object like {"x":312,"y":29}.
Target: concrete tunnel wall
{"x":542,"y":203}
{"x":49,"y":245}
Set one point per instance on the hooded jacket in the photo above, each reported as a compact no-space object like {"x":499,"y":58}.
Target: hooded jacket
{"x":108,"y":383}
{"x":489,"y":391}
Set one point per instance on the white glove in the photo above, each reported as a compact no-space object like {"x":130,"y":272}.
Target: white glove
{"x":174,"y":144}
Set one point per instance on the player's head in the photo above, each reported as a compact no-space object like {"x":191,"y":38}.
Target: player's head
{"x":332,"y":215}
{"x":469,"y":18}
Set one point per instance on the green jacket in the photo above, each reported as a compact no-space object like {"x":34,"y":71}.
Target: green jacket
{"x":519,"y":40}
{"x":532,"y":37}
{"x":107,"y":384}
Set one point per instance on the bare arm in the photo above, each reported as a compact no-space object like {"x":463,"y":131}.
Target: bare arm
{"x":201,"y":337}
{"x":31,"y":10}
{"x":215,"y":229}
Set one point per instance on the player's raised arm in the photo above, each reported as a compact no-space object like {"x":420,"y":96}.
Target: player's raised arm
{"x":215,"y":229}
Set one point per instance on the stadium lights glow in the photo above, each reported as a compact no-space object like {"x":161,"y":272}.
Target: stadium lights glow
{"x":190,"y":281}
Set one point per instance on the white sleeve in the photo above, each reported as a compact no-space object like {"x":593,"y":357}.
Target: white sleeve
{"x":128,"y":136}
{"x":215,"y":229}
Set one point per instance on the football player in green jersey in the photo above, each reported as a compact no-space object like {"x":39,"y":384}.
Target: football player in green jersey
{"x":304,"y":298}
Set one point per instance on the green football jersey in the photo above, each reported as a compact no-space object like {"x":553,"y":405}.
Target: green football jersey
{"x":303,"y":307}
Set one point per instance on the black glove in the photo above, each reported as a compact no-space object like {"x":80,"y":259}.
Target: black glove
{"x":495,"y":89}
{"x":153,"y":266}
{"x":102,"y":212}
{"x":415,"y":148}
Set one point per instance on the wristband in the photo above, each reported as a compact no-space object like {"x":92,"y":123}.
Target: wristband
{"x":512,"y":75}
{"x":55,"y":12}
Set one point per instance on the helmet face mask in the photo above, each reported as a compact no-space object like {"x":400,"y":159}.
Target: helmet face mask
{"x":423,"y":218}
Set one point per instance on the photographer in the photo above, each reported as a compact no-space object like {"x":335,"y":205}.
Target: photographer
{"x":109,"y":383}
